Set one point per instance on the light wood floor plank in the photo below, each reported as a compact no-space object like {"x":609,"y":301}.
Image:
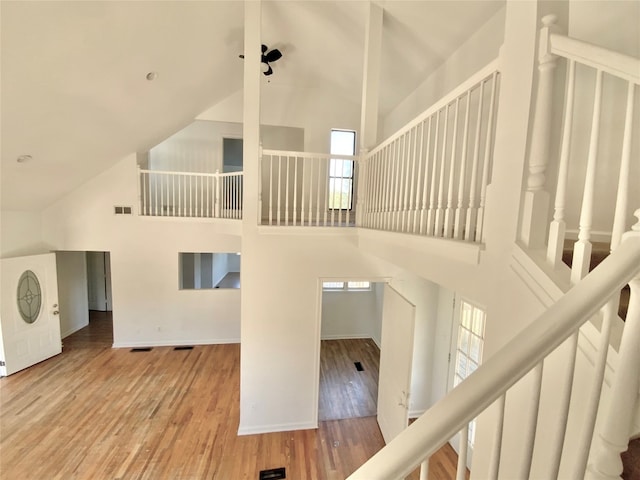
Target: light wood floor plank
{"x":94,"y":412}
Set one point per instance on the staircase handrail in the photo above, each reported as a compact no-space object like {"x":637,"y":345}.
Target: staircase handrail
{"x":507,"y":366}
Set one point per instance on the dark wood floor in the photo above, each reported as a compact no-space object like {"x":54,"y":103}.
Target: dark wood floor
{"x":95,"y":412}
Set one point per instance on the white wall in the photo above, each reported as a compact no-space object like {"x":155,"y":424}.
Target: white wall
{"x":198,"y":147}
{"x":149,"y":308}
{"x":481,"y":48}
{"x":309,"y":108}
{"x":20,"y":234}
{"x":281,"y":283}
{"x":72,"y":291}
{"x":351,"y":315}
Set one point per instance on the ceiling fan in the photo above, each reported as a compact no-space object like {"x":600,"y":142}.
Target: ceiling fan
{"x":268,"y":57}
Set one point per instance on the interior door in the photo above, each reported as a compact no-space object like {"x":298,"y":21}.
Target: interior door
{"x":29,"y":322}
{"x":98,"y":281}
{"x":396,"y":358}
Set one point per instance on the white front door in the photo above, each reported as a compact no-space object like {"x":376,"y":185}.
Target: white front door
{"x":396,"y":358}
{"x":29,"y":321}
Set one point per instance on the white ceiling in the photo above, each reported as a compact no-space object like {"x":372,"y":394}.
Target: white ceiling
{"x":75,"y":97}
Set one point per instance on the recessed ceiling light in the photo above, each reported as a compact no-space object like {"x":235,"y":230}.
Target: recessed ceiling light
{"x":152,"y":76}
{"x":24,"y":158}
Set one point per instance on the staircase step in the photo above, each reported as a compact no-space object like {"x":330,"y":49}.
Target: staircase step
{"x":599,"y":252}
{"x":631,"y":461}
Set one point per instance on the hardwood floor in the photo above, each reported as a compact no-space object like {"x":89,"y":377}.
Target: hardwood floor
{"x":94,"y":412}
{"x":346,"y":392}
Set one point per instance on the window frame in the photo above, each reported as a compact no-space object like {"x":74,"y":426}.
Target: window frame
{"x":342,"y":178}
{"x":345,"y":286}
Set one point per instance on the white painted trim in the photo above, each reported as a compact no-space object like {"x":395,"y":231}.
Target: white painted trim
{"x":73,"y":330}
{"x":458,"y":250}
{"x":301,"y":230}
{"x":538,"y":281}
{"x":346,"y":337}
{"x":178,"y":343}
{"x":282,"y":427}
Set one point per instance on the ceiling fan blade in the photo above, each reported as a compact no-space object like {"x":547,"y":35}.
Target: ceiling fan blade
{"x":269,"y":71}
{"x":264,"y":48}
{"x":273,"y":55}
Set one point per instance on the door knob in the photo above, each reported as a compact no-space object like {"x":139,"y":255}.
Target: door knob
{"x":56,"y":312}
{"x":55,"y":305}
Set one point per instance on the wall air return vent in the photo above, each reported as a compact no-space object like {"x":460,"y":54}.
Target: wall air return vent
{"x":122,"y":210}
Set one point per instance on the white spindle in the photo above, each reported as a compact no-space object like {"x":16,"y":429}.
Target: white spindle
{"x":396,"y":185}
{"x":461,"y":472}
{"x":582,"y":248}
{"x":271,"y":188}
{"x":531,"y":422}
{"x":448,"y":214}
{"x":459,"y":214}
{"x":217,"y":194}
{"x":470,"y":226}
{"x":560,"y":425}
{"x":426,"y":159}
{"x":279,"y":203}
{"x":406,"y":146}
{"x":287,"y":187}
{"x":443,"y":160}
{"x":432,"y":193}
{"x":303,"y":192}
{"x":558,"y":226}
{"x":622,"y":199}
{"x":143,"y":198}
{"x":418,"y":158}
{"x":494,"y":461}
{"x":388,"y":203}
{"x":424,"y":470}
{"x":295,"y":190}
{"x":190,"y":196}
{"x":615,"y":429}
{"x":350,"y":192}
{"x":485,"y":161}
{"x":325,"y":192}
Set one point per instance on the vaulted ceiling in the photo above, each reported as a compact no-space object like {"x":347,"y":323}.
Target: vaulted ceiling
{"x":74,"y":93}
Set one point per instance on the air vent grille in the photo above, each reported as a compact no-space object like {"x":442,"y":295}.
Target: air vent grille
{"x":121,"y":210}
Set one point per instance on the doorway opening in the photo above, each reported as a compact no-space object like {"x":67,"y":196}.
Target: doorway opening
{"x":350,"y":329}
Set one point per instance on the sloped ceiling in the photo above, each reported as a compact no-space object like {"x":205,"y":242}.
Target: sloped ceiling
{"x":75,"y":97}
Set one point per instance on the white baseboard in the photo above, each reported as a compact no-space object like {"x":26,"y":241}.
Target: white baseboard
{"x":175,"y":343}
{"x":73,"y":330}
{"x":416,"y":413}
{"x":283,"y":427}
{"x":344,"y":337}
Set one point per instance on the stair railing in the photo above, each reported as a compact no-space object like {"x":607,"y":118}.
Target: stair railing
{"x":307,"y":189}
{"x":430,"y":178}
{"x":581,"y":59}
{"x":524,"y":354}
{"x":188,"y":194}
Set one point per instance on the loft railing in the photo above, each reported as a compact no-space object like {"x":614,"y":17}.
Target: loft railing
{"x":526,"y":353}
{"x":307,"y":189}
{"x":430,"y":178}
{"x":185,"y":194}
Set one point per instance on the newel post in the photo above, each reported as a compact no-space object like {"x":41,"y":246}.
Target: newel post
{"x":361,"y":186}
{"x":536,"y":198}
{"x":613,"y":436}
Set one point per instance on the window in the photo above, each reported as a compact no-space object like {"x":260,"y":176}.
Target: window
{"x":469,"y":348}
{"x":343,"y":142}
{"x":349,"y":286}
{"x":209,"y":270}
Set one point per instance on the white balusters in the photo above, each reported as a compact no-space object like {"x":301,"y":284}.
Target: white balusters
{"x":494,"y":463}
{"x":613,"y":437}
{"x":439,"y":225}
{"x":448,"y":215}
{"x":582,"y":248}
{"x":459,"y":215}
{"x":530,"y":427}
{"x":461,"y":472}
{"x":486,"y":160}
